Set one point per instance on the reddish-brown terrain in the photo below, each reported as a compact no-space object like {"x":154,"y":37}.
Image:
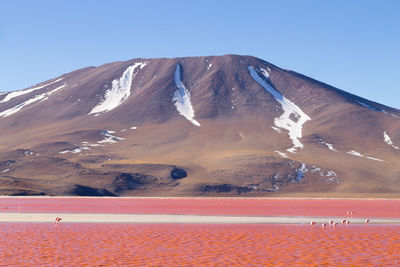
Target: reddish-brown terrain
{"x":202,"y":126}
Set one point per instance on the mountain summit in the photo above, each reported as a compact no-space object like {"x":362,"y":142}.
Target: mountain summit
{"x":195,"y":126}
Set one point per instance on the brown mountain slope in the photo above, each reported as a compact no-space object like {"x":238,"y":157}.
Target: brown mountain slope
{"x":234,"y":125}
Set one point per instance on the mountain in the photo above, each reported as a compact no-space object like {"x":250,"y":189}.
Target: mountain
{"x":196,"y":126}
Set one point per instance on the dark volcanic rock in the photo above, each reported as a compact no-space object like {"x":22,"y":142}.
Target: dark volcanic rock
{"x":6,"y":163}
{"x":81,"y":190}
{"x":130,"y":181}
{"x":224,"y":188}
{"x":178,"y":173}
{"x":27,"y":193}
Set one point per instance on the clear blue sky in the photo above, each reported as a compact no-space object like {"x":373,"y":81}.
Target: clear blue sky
{"x":353,"y":45}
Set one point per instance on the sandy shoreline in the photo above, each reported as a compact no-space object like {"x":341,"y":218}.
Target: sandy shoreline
{"x":168,"y":218}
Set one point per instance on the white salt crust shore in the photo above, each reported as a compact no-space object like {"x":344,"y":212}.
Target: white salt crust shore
{"x":168,"y":218}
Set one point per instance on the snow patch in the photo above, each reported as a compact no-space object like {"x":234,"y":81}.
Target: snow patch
{"x":40,"y":97}
{"x":290,"y":109}
{"x":209,"y":66}
{"x":326,"y":176}
{"x":109,"y":138}
{"x":368,"y":106}
{"x":4,"y":171}
{"x":120,"y":89}
{"x":181,"y":98}
{"x":301,"y":171}
{"x":12,"y":95}
{"x":358,"y":154}
{"x":77,"y":149}
{"x":388,"y":140}
{"x":133,"y":128}
{"x":265,"y":72}
{"x":330,"y":146}
{"x":376,"y":109}
{"x":355,"y":153}
{"x":281,"y":154}
{"x":374,"y":158}
{"x":92,"y":145}
{"x":390,"y":114}
{"x":331,"y":173}
{"x":276,"y":129}
{"x":28,"y":153}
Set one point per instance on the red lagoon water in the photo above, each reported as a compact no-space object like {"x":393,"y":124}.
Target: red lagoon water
{"x":208,"y":206}
{"x":24,"y":244}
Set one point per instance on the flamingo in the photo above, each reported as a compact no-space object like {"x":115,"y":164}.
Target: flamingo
{"x":312,"y":223}
{"x":367,"y":221}
{"x":324,"y":225}
{"x":344,"y":221}
{"x":335,"y":224}
{"x":57,"y":220}
{"x":350,"y":212}
{"x":347,"y":222}
{"x":330,"y":222}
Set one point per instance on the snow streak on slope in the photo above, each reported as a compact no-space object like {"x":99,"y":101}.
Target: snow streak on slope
{"x":289,"y":109}
{"x":330,"y":146}
{"x":18,"y":107}
{"x":110,"y":138}
{"x":376,"y":109}
{"x":120,"y":90}
{"x":181,"y":98}
{"x":12,"y":95}
{"x":388,"y":140}
{"x":358,"y":154}
{"x":75,"y":150}
{"x":276,"y":129}
{"x":281,"y":154}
